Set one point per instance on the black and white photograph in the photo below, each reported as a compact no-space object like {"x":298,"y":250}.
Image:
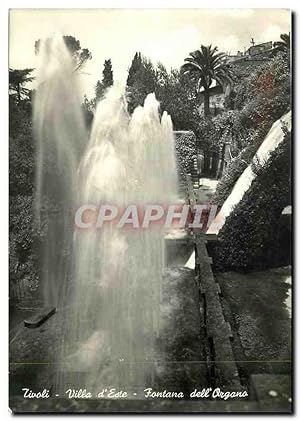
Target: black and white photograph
{"x":150,"y":211}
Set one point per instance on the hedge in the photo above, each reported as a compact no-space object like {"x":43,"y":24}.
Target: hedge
{"x":249,"y":239}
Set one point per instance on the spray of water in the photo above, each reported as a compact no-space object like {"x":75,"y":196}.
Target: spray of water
{"x":113,"y":316}
{"x":60,"y":138}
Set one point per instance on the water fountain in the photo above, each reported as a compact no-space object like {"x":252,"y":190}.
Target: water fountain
{"x":60,"y":138}
{"x":114,"y":293}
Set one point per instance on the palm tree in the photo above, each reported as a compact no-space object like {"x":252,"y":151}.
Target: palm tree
{"x":284,"y":44}
{"x":206,"y":65}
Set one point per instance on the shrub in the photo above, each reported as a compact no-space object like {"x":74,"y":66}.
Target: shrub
{"x":21,"y":148}
{"x":234,"y":170}
{"x":260,"y":100}
{"x":23,"y":233}
{"x":23,"y":239}
{"x":185,"y":145}
{"x":249,"y":239}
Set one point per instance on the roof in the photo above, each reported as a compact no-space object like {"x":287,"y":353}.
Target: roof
{"x":259,"y":48}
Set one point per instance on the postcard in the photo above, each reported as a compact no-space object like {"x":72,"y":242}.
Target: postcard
{"x":150,"y":198}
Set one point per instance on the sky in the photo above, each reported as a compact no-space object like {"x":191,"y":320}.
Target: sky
{"x":163,"y":35}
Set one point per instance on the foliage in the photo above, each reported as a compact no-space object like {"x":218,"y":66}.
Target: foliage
{"x":284,"y":44}
{"x":249,"y":238}
{"x":24,"y":238}
{"x":134,"y":68}
{"x":21,"y":148}
{"x":17,"y":80}
{"x":260,"y":100}
{"x":175,"y":92}
{"x":22,"y":231}
{"x":262,"y":87}
{"x":141,"y":81}
{"x":185,"y":145}
{"x":253,"y":105}
{"x":79,"y":55}
{"x":107,"y":73}
{"x":107,"y":80}
{"x":225,"y":128}
{"x":204,"y":66}
{"x":232,"y":174}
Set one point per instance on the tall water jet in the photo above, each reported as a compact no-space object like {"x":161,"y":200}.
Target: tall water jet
{"x":60,"y":137}
{"x":115,"y":299}
{"x":111,"y":279}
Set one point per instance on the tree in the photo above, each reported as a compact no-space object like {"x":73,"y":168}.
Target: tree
{"x":23,"y":232}
{"x":99,"y":90}
{"x":133,"y":69}
{"x":258,"y":104}
{"x":141,"y":81}
{"x":174,"y":91}
{"x":79,"y":55}
{"x":204,"y":66}
{"x":176,"y":94}
{"x":284,"y":44}
{"x":107,"y":79}
{"x":17,"y":80}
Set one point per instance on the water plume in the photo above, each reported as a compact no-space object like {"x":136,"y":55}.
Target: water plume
{"x":113,"y":297}
{"x":118,"y":273}
{"x":60,"y":138}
